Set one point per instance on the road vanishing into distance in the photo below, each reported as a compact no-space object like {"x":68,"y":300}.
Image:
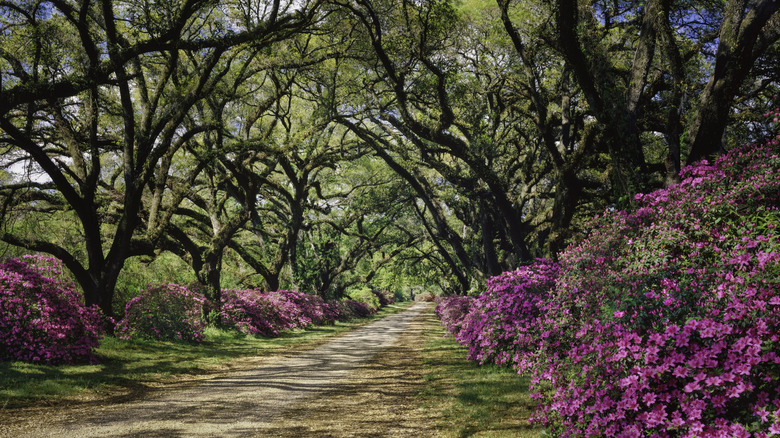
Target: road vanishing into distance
{"x":260,"y":401}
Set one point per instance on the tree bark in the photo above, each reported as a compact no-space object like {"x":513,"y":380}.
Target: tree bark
{"x":492,"y":266}
{"x":748,"y":28}
{"x":615,"y":111}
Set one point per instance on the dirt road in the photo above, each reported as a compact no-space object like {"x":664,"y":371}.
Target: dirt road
{"x":299,"y":395}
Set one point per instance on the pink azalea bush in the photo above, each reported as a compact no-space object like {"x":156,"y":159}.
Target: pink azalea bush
{"x":271,"y":313}
{"x":452,"y":311}
{"x":364,"y":294}
{"x":509,"y":314}
{"x":314,"y":310}
{"x":42,"y":317}
{"x":664,"y":321}
{"x":259,"y":313}
{"x":351,"y":309}
{"x":167,"y":312}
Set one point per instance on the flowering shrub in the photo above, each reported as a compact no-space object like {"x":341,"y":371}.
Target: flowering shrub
{"x":168,"y":312}
{"x":364,"y":295}
{"x":259,"y":313}
{"x":349,"y":309}
{"x":452,"y":310}
{"x":385,"y":298}
{"x":663,"y":322}
{"x":509,"y":314}
{"x":42,"y":318}
{"x":332,"y":311}
{"x":270,"y":313}
{"x":313,"y":309}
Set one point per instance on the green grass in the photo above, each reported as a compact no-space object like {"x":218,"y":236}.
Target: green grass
{"x":130,"y":366}
{"x":473,"y":400}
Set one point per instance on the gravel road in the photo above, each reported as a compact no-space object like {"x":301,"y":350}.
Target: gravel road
{"x":243,"y":404}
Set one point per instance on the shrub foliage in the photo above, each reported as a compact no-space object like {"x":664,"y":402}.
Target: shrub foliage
{"x":384,"y":297}
{"x":452,"y":311}
{"x":349,"y":309}
{"x":664,"y":321}
{"x":271,"y":313}
{"x":313,"y":309}
{"x":42,"y":317}
{"x":167,"y":312}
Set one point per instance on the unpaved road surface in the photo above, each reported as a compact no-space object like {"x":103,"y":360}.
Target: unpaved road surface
{"x":262,"y":401}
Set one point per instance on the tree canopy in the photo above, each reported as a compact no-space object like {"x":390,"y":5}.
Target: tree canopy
{"x":324,"y":144}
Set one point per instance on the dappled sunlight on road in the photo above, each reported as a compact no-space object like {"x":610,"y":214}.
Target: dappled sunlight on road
{"x":244,"y":403}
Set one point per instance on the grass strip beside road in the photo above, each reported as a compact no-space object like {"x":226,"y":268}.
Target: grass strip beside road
{"x":129,"y":368}
{"x":471,"y":400}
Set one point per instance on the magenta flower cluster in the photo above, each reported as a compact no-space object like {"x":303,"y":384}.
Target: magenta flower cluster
{"x":664,"y":321}
{"x":42,"y":317}
{"x":452,"y":311}
{"x":314,"y":310}
{"x":167,"y":312}
{"x":173,"y":312}
{"x":262,"y":313}
{"x":504,"y":318}
{"x":350,"y":309}
{"x":271,"y":313}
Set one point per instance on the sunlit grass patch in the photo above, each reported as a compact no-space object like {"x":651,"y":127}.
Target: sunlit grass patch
{"x":22,"y":383}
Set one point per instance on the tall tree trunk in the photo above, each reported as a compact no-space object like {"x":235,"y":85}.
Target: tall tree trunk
{"x":673,"y":132}
{"x":272,"y":281}
{"x":491,"y":258}
{"x":748,"y":29}
{"x":615,"y":111}
{"x":456,"y":270}
{"x":210,"y":277}
{"x":567,"y":195}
